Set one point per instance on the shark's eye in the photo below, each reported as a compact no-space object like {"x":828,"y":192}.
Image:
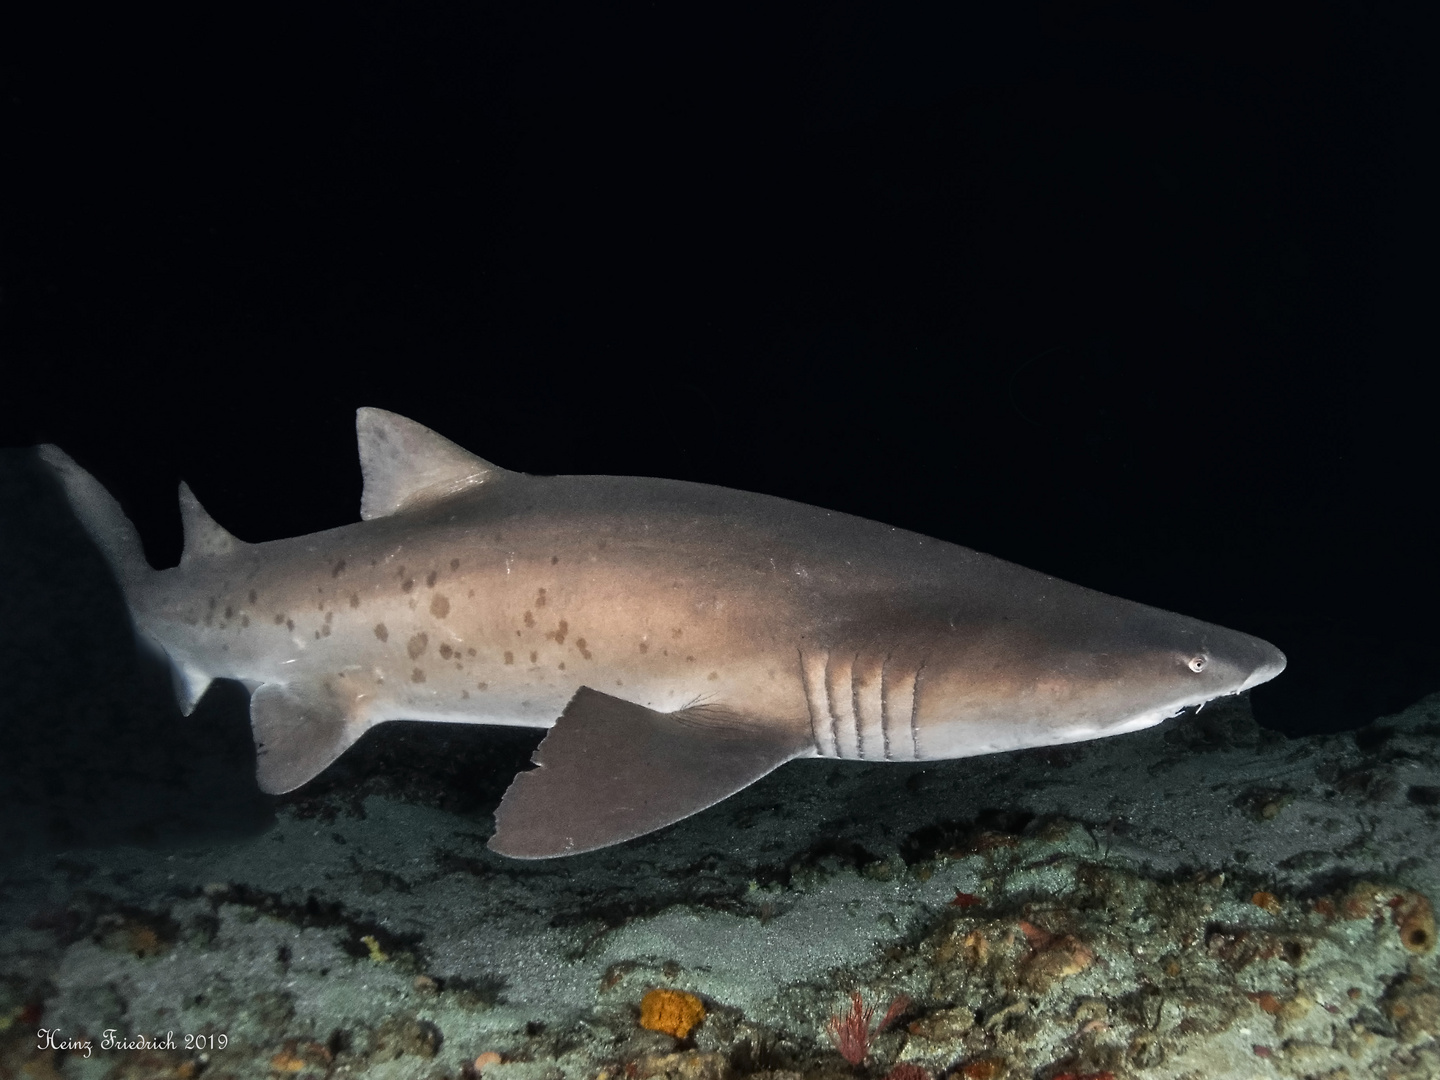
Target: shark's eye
{"x":1197,"y":663}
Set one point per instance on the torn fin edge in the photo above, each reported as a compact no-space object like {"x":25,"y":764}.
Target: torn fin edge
{"x":610,"y":770}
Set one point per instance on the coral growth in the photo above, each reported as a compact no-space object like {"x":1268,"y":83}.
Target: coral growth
{"x":1416,"y":919}
{"x":851,"y":1031}
{"x":989,"y":1068}
{"x":1266,"y":901}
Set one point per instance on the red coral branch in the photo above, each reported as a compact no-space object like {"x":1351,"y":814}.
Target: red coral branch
{"x":851,"y":1031}
{"x":894,"y":1012}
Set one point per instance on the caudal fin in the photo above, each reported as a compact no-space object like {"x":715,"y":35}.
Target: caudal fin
{"x":103,"y":519}
{"x":119,"y":542}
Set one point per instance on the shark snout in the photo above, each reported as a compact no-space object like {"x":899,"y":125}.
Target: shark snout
{"x":1228,"y":662}
{"x":1268,"y":662}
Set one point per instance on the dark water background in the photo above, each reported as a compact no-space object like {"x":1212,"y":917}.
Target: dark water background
{"x":1139,"y":296}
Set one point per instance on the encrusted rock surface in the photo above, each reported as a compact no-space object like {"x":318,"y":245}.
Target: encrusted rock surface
{"x":1216,"y":902}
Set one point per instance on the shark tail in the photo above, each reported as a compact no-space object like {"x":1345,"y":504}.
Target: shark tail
{"x":109,"y":528}
{"x":119,"y":541}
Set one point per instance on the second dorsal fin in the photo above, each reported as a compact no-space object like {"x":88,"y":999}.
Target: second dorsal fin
{"x":406,"y":465}
{"x":204,"y":536}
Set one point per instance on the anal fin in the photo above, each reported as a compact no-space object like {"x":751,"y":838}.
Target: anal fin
{"x":611,"y":770}
{"x":298,"y":731}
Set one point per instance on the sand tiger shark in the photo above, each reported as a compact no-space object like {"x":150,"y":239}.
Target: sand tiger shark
{"x":678,"y":640}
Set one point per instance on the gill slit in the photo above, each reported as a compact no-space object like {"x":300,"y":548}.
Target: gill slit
{"x":855,"y":709}
{"x":809,"y":706}
{"x":830,"y":706}
{"x":884,"y":708}
{"x":915,"y":710}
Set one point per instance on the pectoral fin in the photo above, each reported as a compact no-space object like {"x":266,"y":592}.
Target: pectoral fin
{"x":610,"y":770}
{"x":298,"y":731}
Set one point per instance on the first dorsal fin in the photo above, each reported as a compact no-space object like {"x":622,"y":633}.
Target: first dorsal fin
{"x":406,"y":465}
{"x":204,"y":536}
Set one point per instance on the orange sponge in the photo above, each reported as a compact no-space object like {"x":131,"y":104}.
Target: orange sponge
{"x":671,"y":1011}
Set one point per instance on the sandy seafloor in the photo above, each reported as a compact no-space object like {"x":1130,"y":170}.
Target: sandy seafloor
{"x":1205,"y":899}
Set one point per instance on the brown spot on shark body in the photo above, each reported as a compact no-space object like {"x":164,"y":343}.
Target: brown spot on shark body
{"x":409,"y":584}
{"x":430,"y":579}
{"x":644,"y":646}
{"x":454,"y":564}
{"x":561,"y":629}
{"x":289,"y":624}
{"x":382,"y":633}
{"x":445,"y":650}
{"x":418,"y":675}
{"x":509,"y":657}
{"x":279,"y":618}
{"x":584,"y":650}
{"x":338,"y":569}
{"x":529,"y":617}
{"x":439,"y":605}
{"x":244,"y":621}
{"x":354,"y":599}
{"x":254,"y":596}
{"x":540,"y":599}
{"x":534,"y":656}
{"x":417,"y":645}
